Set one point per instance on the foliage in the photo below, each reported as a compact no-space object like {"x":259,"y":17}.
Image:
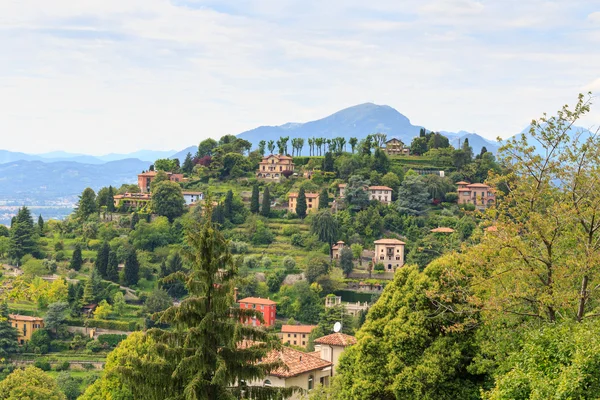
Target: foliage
{"x":289,"y":263}
{"x":56,"y":315}
{"x":112,"y":269}
{"x":77,"y":259}
{"x":158,"y":300}
{"x":30,"y":383}
{"x":22,"y":239}
{"x":40,"y":341}
{"x":167,"y":200}
{"x":103,"y":310}
{"x":101,"y":263}
{"x":316,"y":267}
{"x":356,"y":195}
{"x":87,"y":204}
{"x":301,"y":203}
{"x":8,"y":334}
{"x":68,"y":385}
{"x":346,"y":260}
{"x":132,"y":268}
{"x":254,"y":201}
{"x":412,"y":195}
{"x":326,"y":227}
{"x":265,"y":209}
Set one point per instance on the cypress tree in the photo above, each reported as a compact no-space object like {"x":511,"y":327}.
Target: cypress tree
{"x":22,"y":234}
{"x":112,"y":268}
{"x":135,"y":218}
{"x":8,"y":334}
{"x":328,"y":162}
{"x":324,"y":199}
{"x":87,"y":204}
{"x":301,"y":204}
{"x":41,"y":225}
{"x":265,"y":210}
{"x":110,"y":200}
{"x":92,"y":288}
{"x":132,"y":268}
{"x":254,"y":201}
{"x":188,"y":164}
{"x":228,"y":205}
{"x":101,"y":263}
{"x":76,"y":260}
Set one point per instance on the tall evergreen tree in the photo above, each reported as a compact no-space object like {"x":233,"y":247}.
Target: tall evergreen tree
{"x":188,"y":164}
{"x":324,"y":199}
{"x":228,"y":205}
{"x":132,"y":268}
{"x":87,"y":204}
{"x":381,"y":162}
{"x":8,"y":334}
{"x":101,"y":263}
{"x":110,"y":200}
{"x":301,"y":203}
{"x":22,"y":235}
{"x":254,"y":201}
{"x":92,"y":287}
{"x":76,"y":260}
{"x":204,"y":350}
{"x":328,"y":162}
{"x":112,"y":268}
{"x":135,"y":218}
{"x":325,"y":226}
{"x":265,"y":210}
{"x":40,"y":225}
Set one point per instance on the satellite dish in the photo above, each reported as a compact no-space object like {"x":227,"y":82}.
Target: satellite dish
{"x":337,"y":327}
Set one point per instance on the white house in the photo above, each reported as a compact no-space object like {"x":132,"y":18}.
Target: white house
{"x":192,"y":197}
{"x":332,"y":346}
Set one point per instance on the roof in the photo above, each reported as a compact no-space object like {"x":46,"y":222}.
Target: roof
{"x":379,"y":188}
{"x":478,"y":185}
{"x":137,"y":196}
{"x":18,"y":317}
{"x":296,"y":362}
{"x":464,"y":190}
{"x":148,"y":173}
{"x":492,"y":228}
{"x":308,"y":195}
{"x":342,"y":185}
{"x":297,"y":328}
{"x":462,"y":183}
{"x":191,"y":193}
{"x":442,"y":230}
{"x":394,"y":139}
{"x":389,"y":241}
{"x":337,"y":339}
{"x":257,"y":300}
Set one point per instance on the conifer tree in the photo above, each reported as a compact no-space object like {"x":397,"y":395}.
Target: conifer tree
{"x":101,"y":263}
{"x":110,"y":200}
{"x":301,"y":203}
{"x":22,"y":240}
{"x":91,"y":288}
{"x":265,"y":210}
{"x":40,"y":225}
{"x":328,"y":162}
{"x":228,"y":205}
{"x":324,"y":199}
{"x":254,"y":201}
{"x":132,"y":268}
{"x":112,"y":268}
{"x":76,"y":260}
{"x":135,"y":218}
{"x":87,"y":204}
{"x":188,"y":164}
{"x":8,"y":334}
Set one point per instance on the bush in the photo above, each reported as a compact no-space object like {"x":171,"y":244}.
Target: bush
{"x":451,"y":197}
{"x":238,"y":247}
{"x":266,"y":262}
{"x":467,"y":207}
{"x":88,"y":366}
{"x":58,"y":345}
{"x":251,"y":262}
{"x":59,"y":246}
{"x":379,"y":267}
{"x":289,"y":230}
{"x":111,"y":339}
{"x":289,"y":263}
{"x":297,"y":240}
{"x":63,"y":366}
{"x":112,"y":325}
{"x":94,"y":244}
{"x":42,"y":364}
{"x":94,"y":346}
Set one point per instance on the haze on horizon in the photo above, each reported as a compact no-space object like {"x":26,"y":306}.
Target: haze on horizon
{"x":108,"y":76}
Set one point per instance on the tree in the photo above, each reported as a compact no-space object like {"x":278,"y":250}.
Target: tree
{"x":381,"y":162}
{"x":40,"y":341}
{"x":158,"y":300}
{"x":167,"y":200}
{"x":188,"y":164}
{"x":174,"y":264}
{"x":40,"y":225}
{"x":265,"y":210}
{"x":112,"y":269}
{"x":68,"y":385}
{"x":203,"y":354}
{"x":56,"y":315}
{"x":271,"y":146}
{"x":356,"y":194}
{"x":103,"y":310}
{"x":301,"y":204}
{"x":326,"y":227}
{"x":228,"y":205}
{"x":30,"y":383}
{"x":101,"y":263}
{"x":8,"y":334}
{"x":76,"y":259}
{"x":119,"y":304}
{"x":324,"y":199}
{"x":254,"y":201}
{"x":135,"y":218}
{"x":166,"y":165}
{"x":132,"y":268}
{"x":22,"y":239}
{"x":412,"y":195}
{"x":206,"y":148}
{"x":353,"y":142}
{"x":86,"y":205}
{"x":346,"y":260}
{"x":328,"y":162}
{"x":357,"y":251}
{"x":92,"y":288}
{"x":261,"y":147}
{"x":110,"y":200}
{"x":419,"y":146}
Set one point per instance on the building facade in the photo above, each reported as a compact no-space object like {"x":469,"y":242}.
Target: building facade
{"x":390,"y":253}
{"x":192,"y":197}
{"x":296,"y":334}
{"x":312,"y":202}
{"x":395,"y":147}
{"x":272,"y":167}
{"x":146,"y":178}
{"x":479,"y":194}
{"x":332,"y":346}
{"x":267,"y":307}
{"x":132,"y":200}
{"x":383,"y":194}
{"x":25,"y":325}
{"x":336,"y":249}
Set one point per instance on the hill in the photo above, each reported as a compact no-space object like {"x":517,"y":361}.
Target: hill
{"x":475,"y":141}
{"x":183,"y":153}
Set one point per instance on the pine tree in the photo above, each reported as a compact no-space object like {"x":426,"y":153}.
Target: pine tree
{"x":228,"y":205}
{"x":254,"y":201}
{"x":110,"y":200}
{"x":40,"y":225}
{"x":112,"y":268}
{"x":135,"y":218}
{"x":265,"y":210}
{"x":324,"y":199}
{"x":76,"y":260}
{"x":87,"y":204}
{"x":92,"y":288}
{"x":22,"y":232}
{"x":101,"y":263}
{"x":132,"y":268}
{"x":188,"y":164}
{"x":8,"y":334}
{"x":301,"y":204}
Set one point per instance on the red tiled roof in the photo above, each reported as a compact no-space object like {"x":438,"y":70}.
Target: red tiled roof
{"x":296,"y":362}
{"x":389,"y":241}
{"x":297,"y":328}
{"x":17,"y":317}
{"x":443,"y":230}
{"x":478,"y":185}
{"x":337,"y":339}
{"x":342,"y":185}
{"x":462,"y":183}
{"x":492,"y":228}
{"x":257,"y":300}
{"x":379,"y":188}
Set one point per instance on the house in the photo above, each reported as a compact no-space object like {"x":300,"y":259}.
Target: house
{"x":351,"y":308}
{"x":267,"y":307}
{"x":395,"y":147}
{"x":88,"y":309}
{"x":146,"y":178}
{"x":312,"y":202}
{"x":272,"y":167}
{"x":296,"y":334}
{"x":389,"y":252}
{"x":336,"y":249}
{"x":332,"y":346}
{"x":479,"y":194}
{"x":382,"y":194}
{"x":298,"y":369}
{"x":25,"y":325}
{"x":192,"y":197}
{"x":342,"y":188}
{"x":132,"y":200}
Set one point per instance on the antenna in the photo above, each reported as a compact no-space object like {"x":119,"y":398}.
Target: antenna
{"x":337,"y":327}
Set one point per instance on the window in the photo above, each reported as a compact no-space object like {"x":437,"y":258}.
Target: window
{"x":267,"y":383}
{"x":303,"y":336}
{"x":311,"y":382}
{"x":294,"y":335}
{"x":262,"y":307}
{"x":294,"y":342}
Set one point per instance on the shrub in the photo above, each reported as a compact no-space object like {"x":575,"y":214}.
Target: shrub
{"x":251,"y":262}
{"x":58,"y":345}
{"x":238,"y":247}
{"x":467,"y":207}
{"x":111,"y":339}
{"x":59,"y":246}
{"x":290,"y":230}
{"x":88,"y":366}
{"x":94,"y":346}
{"x":297,"y":240}
{"x":379,"y":267}
{"x":289,"y":263}
{"x":112,"y":325}
{"x":266,"y":262}
{"x":42,"y":364}
{"x":94,"y":244}
{"x":63,"y":366}
{"x":451,"y":197}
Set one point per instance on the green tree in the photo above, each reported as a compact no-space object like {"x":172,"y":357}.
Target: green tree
{"x":119,"y":304}
{"x":112,"y":269}
{"x":356,"y":195}
{"x":206,"y":148}
{"x":326,"y":227}
{"x":87,"y":204}
{"x":205,"y":348}
{"x":68,"y":385}
{"x":103,"y":310}
{"x":381,"y":162}
{"x":261,"y":147}
{"x":315,"y":268}
{"x":324,"y":199}
{"x":158,"y":300}
{"x":77,"y":259}
{"x":228,"y":205}
{"x":346,"y":260}
{"x":135,"y":218}
{"x":132,"y":268}
{"x":301,"y":204}
{"x":101,"y":263}
{"x":188,"y":164}
{"x":56,"y":315}
{"x":328,"y":162}
{"x":40,"y":225}
{"x":167,"y":200}
{"x":265,"y":210}
{"x":22,"y":235}
{"x":412,"y":195}
{"x":254,"y":201}
{"x":40,"y":341}
{"x":353,"y":142}
{"x":30,"y":383}
{"x":166,"y":165}
{"x":419,"y":146}
{"x":357,"y":251}
{"x":92,"y":288}
{"x":8,"y":334}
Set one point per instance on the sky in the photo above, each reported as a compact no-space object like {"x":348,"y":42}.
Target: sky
{"x":100,"y":76}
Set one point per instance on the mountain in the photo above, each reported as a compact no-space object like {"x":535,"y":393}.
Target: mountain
{"x":42,"y":180}
{"x":145,"y":155}
{"x":64,"y":156}
{"x":181,"y":155}
{"x":475,"y":141}
{"x":11,"y":156}
{"x":357,"y":121}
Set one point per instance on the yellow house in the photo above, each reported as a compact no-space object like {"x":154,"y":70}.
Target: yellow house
{"x":25,"y":326}
{"x":296,"y":334}
{"x":312,"y":202}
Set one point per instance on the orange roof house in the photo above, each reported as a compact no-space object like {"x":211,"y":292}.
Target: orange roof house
{"x":312,"y":202}
{"x":442,"y":230}
{"x":296,"y":334}
{"x":25,"y":326}
{"x":146,"y":178}
{"x":479,"y":194}
{"x":332,"y":346}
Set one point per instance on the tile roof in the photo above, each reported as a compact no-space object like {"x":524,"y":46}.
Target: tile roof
{"x":337,"y":339}
{"x":342,"y":185}
{"x":443,"y":230}
{"x":297,"y":328}
{"x":464,"y":190}
{"x":389,"y":241}
{"x":379,"y":188}
{"x":191,"y":192}
{"x":257,"y":300}
{"x":18,"y":317}
{"x":492,"y":228}
{"x":462,"y":183}
{"x":478,"y":185}
{"x":295,"y":362}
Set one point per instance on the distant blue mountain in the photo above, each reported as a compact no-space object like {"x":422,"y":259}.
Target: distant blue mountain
{"x":181,"y":155}
{"x":475,"y":141}
{"x":574,"y":131}
{"x":144,"y":155}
